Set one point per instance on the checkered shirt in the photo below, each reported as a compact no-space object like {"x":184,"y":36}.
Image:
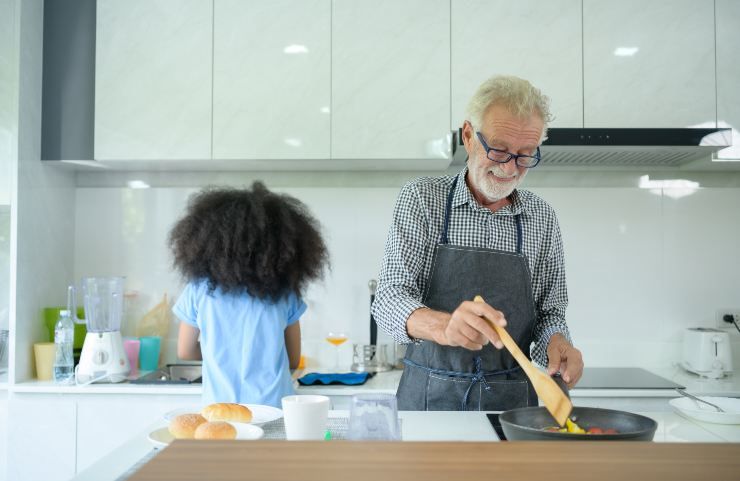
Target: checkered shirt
{"x":415,"y":231}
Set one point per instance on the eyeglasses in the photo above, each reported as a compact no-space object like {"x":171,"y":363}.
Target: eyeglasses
{"x":502,"y":156}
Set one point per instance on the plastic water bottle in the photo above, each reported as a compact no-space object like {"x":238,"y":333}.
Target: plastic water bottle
{"x":64,"y":331}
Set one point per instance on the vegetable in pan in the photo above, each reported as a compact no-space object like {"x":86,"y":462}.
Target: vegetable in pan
{"x":571,"y":427}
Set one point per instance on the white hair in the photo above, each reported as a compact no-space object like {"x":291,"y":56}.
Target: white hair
{"x":517,"y":95}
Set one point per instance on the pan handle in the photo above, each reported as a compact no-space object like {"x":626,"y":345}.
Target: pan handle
{"x":561,"y":384}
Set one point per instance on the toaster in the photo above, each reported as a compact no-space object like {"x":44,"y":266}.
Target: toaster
{"x":706,"y":352}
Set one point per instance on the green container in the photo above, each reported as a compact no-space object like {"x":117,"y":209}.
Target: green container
{"x":51,"y":316}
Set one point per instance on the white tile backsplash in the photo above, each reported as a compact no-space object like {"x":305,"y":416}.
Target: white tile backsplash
{"x":640,"y":266}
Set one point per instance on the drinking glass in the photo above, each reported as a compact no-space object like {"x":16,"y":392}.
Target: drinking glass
{"x":336,"y":338}
{"x":374,"y":417}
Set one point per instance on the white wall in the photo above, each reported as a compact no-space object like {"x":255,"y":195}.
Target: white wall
{"x":641,"y":265}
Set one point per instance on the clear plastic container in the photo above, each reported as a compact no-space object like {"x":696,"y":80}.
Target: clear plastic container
{"x":64,"y":372}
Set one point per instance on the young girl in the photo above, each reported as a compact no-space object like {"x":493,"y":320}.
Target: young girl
{"x":247,"y":256}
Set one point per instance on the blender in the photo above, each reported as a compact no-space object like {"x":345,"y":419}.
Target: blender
{"x":103,"y":358}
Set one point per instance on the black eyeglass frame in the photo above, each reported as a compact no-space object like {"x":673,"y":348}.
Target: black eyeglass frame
{"x":536,"y":157}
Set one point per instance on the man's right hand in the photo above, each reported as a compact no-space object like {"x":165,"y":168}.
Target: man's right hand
{"x":465,"y":327}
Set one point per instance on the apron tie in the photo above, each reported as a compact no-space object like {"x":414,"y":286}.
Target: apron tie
{"x":479,"y":375}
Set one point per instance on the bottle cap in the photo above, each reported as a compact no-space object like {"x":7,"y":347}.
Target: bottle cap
{"x":64,"y":312}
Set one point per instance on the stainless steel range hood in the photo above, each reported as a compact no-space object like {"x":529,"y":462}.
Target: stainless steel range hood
{"x":623,"y":147}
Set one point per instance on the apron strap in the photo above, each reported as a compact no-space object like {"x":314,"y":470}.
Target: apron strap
{"x":448,"y":209}
{"x":518,"y":219}
{"x":443,"y":239}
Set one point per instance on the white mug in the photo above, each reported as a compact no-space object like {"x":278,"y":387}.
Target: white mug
{"x":305,"y":416}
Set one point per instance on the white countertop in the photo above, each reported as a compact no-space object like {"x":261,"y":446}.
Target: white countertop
{"x":426,"y":426}
{"x":387,"y":382}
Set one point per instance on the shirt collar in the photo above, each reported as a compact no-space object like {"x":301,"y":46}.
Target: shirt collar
{"x":462,"y":196}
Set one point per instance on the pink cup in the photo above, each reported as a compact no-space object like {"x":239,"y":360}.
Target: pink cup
{"x":132,"y":346}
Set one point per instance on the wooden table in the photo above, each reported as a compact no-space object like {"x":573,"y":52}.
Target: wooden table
{"x":442,"y":461}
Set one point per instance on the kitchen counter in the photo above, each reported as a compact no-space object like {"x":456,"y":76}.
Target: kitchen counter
{"x":387,"y":382}
{"x":471,"y":427}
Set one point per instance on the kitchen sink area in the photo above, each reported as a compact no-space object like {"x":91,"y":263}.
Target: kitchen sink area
{"x":172,"y":374}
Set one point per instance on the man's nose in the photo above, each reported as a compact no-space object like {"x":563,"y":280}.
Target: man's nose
{"x":510,"y":167}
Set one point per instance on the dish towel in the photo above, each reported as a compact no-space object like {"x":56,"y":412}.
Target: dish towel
{"x":346,"y":378}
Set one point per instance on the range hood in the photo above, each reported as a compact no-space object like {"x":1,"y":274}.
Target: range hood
{"x":649,"y":147}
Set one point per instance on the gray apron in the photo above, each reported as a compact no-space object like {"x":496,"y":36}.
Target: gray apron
{"x":445,"y":378}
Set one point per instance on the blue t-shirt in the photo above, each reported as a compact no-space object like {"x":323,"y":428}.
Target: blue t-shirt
{"x":242,"y":339}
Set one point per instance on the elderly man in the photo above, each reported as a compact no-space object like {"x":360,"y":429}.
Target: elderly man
{"x":453,"y":238}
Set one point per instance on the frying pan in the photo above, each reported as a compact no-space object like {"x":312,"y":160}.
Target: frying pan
{"x":526,"y":424}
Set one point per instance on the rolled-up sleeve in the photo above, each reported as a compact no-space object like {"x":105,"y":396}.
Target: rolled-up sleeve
{"x":399,"y":290}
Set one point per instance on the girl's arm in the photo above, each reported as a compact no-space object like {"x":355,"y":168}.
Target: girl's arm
{"x":293,"y":344}
{"x":188,"y":347}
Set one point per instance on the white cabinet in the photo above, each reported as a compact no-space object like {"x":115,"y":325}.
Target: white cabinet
{"x":3,"y":435}
{"x":42,"y":430}
{"x":153,"y":79}
{"x":105,"y":422}
{"x":271,"y":79}
{"x":390,"y":79}
{"x":536,"y":40}
{"x":728,"y":73}
{"x":649,"y":63}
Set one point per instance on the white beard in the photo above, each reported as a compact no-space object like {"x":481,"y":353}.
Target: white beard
{"x":494,"y":190}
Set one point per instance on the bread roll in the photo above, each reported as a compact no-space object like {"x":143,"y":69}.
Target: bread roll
{"x":215,"y":430}
{"x":235,"y":413}
{"x":184,"y":425}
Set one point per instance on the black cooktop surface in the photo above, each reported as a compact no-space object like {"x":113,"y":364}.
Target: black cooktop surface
{"x":623,"y":378}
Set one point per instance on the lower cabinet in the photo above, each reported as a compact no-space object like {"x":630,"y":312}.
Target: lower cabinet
{"x":42,"y":429}
{"x":57,"y":436}
{"x":3,"y":435}
{"x":104,"y":422}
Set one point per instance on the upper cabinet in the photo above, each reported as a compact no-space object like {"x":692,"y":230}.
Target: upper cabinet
{"x":271,"y":79}
{"x":533,"y":39}
{"x":390,"y":79}
{"x":383,"y":81}
{"x":728,"y":73}
{"x":649,"y":63}
{"x":153,"y":79}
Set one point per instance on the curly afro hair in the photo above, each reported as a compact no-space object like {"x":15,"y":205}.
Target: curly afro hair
{"x":257,"y":241}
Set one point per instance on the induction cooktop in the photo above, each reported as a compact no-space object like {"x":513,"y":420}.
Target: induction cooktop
{"x":623,"y":378}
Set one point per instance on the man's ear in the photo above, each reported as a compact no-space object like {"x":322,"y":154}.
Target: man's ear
{"x":467,"y":136}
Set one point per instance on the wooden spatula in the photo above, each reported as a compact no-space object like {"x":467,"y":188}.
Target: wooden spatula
{"x":555,"y":400}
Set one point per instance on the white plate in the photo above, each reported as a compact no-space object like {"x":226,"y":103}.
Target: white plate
{"x":261,"y":414}
{"x":702,"y":412}
{"x":161,"y":437}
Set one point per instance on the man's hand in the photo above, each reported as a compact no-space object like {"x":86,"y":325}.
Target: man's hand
{"x":563,"y":357}
{"x":467,"y":327}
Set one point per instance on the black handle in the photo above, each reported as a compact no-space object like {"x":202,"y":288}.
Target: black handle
{"x":373,"y":325}
{"x":561,"y":383}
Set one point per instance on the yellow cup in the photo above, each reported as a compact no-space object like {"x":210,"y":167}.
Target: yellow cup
{"x":44,"y":353}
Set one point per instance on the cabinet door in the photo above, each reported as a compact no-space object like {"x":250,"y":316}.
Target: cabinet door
{"x":108,"y":421}
{"x":649,"y":63}
{"x":390,"y":79}
{"x":3,"y":435}
{"x":153,"y":79}
{"x":536,"y":40}
{"x":42,"y":430}
{"x":728,"y":73}
{"x":271,"y":79}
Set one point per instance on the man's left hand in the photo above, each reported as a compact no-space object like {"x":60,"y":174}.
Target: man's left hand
{"x":563,"y":357}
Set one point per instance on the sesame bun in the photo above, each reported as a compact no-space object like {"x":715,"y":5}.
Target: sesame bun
{"x":215,"y":430}
{"x":231,"y":412}
{"x":184,"y":425}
